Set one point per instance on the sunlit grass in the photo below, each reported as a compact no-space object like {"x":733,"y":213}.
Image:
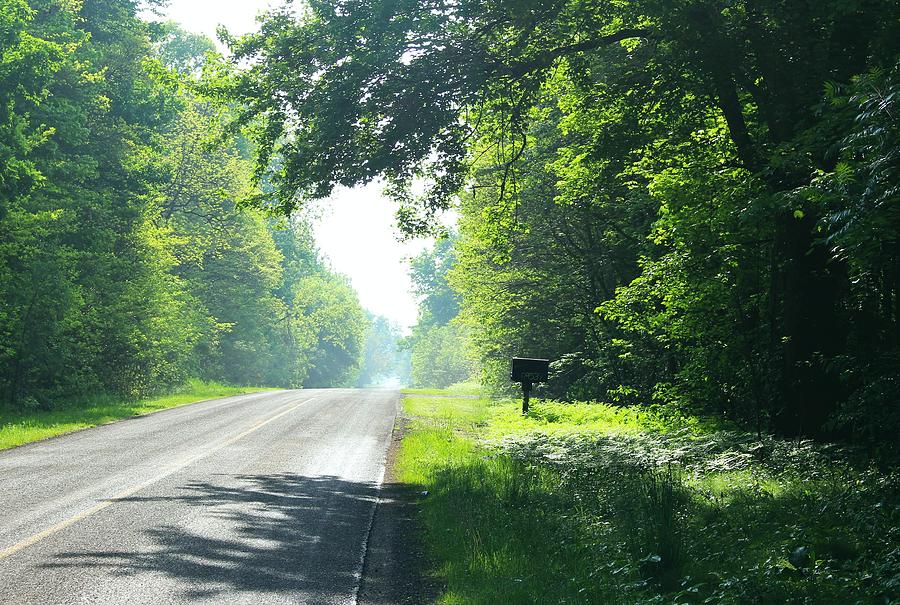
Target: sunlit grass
{"x":21,"y":427}
{"x":553,"y":417}
{"x":461,"y":413}
{"x":728,"y":485}
{"x":428,"y":448}
{"x":571,"y":504}
{"x":471,"y":388}
{"x":486,"y":554}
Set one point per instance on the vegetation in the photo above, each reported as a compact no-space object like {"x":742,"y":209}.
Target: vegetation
{"x":590,"y":503}
{"x":439,"y":344}
{"x":470,"y":388}
{"x":385,"y":361}
{"x":130,"y":260}
{"x":25,"y":426}
{"x":691,"y":207}
{"x":688,"y":204}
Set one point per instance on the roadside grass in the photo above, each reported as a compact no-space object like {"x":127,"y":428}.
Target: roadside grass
{"x":471,"y":388}
{"x":21,"y":427}
{"x":587,"y":503}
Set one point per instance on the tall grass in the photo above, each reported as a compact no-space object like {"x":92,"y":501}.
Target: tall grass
{"x":470,"y":388}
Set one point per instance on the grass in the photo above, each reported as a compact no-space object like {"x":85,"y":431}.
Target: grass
{"x":21,"y":427}
{"x":460,"y":389}
{"x":587,"y":503}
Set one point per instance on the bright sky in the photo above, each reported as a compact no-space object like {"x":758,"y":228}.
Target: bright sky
{"x":356,"y":231}
{"x":357,"y":234}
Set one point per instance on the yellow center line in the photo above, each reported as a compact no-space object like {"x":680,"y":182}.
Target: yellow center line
{"x":32,"y":540}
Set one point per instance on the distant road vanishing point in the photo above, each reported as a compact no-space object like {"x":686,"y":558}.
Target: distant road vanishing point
{"x":262,"y":498}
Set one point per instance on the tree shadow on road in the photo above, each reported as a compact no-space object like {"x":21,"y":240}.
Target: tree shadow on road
{"x":265,"y":534}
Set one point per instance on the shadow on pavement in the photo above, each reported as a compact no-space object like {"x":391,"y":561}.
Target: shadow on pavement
{"x":268,"y":534}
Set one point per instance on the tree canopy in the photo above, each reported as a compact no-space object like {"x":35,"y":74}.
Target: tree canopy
{"x":688,"y":204}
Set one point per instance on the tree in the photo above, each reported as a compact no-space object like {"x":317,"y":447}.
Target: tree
{"x":87,"y":280}
{"x":439,"y":357}
{"x":383,"y":360}
{"x":438,"y":302}
{"x":129,"y":260}
{"x":438,"y":345}
{"x":181,"y":50}
{"x":687,"y":134}
{"x":327,"y":307}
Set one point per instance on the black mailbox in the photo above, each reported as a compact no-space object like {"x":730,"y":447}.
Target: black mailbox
{"x":530,"y":370}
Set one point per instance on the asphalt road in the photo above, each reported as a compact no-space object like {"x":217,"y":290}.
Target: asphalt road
{"x":263,"y":498}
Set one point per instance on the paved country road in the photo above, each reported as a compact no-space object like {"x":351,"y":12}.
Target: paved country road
{"x":262,"y":498}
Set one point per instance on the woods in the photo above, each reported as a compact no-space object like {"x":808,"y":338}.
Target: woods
{"x":692,"y":208}
{"x":129,"y":260}
{"x":687,"y":205}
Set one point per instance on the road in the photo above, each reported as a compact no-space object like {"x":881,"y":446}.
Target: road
{"x":262,"y":498}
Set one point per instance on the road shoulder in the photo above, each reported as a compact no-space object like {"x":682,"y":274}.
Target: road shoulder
{"x":395,"y":570}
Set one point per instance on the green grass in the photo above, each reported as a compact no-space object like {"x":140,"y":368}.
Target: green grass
{"x":460,"y":389}
{"x":21,"y":427}
{"x":589,"y":503}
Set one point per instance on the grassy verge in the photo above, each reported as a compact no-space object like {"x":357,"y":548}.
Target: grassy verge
{"x":460,"y":389}
{"x":594,"y":504}
{"x":20,"y":427}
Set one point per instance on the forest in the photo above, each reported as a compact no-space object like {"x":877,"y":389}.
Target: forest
{"x":689,"y":206}
{"x":135,"y":249}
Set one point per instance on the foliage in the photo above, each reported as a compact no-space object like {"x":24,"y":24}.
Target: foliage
{"x":384,"y":361}
{"x":327,"y":307}
{"x":656,"y":195}
{"x":439,"y":357}
{"x":439,"y":344}
{"x":183,"y":51}
{"x":129,"y":259}
{"x":438,"y":303}
{"x":861,"y":223}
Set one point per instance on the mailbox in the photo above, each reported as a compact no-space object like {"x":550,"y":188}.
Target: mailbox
{"x":530,"y":370}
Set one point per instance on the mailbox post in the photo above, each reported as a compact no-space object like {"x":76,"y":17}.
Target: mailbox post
{"x":529,"y":371}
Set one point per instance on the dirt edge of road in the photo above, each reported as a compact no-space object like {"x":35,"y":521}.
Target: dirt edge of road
{"x":395,"y":570}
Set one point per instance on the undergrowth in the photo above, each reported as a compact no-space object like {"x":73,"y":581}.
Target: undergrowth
{"x":589,"y":503}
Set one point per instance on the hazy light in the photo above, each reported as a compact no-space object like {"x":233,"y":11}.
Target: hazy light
{"x":356,"y":229}
{"x":391,"y":383}
{"x":357,"y":234}
{"x":204,"y":16}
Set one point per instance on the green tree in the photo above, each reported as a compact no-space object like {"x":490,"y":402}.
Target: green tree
{"x":438,"y":302}
{"x":383,"y":360}
{"x":87,"y":282}
{"x":129,"y":259}
{"x":439,"y":357}
{"x":673,"y":147}
{"x":328,"y":308}
{"x":181,"y":50}
{"x":438,"y":345}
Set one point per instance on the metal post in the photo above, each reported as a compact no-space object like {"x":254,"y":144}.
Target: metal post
{"x":526,"y":395}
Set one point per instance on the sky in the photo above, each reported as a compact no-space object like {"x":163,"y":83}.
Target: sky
{"x":356,"y":229}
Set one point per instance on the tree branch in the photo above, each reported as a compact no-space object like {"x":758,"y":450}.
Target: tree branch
{"x":547,"y":58}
